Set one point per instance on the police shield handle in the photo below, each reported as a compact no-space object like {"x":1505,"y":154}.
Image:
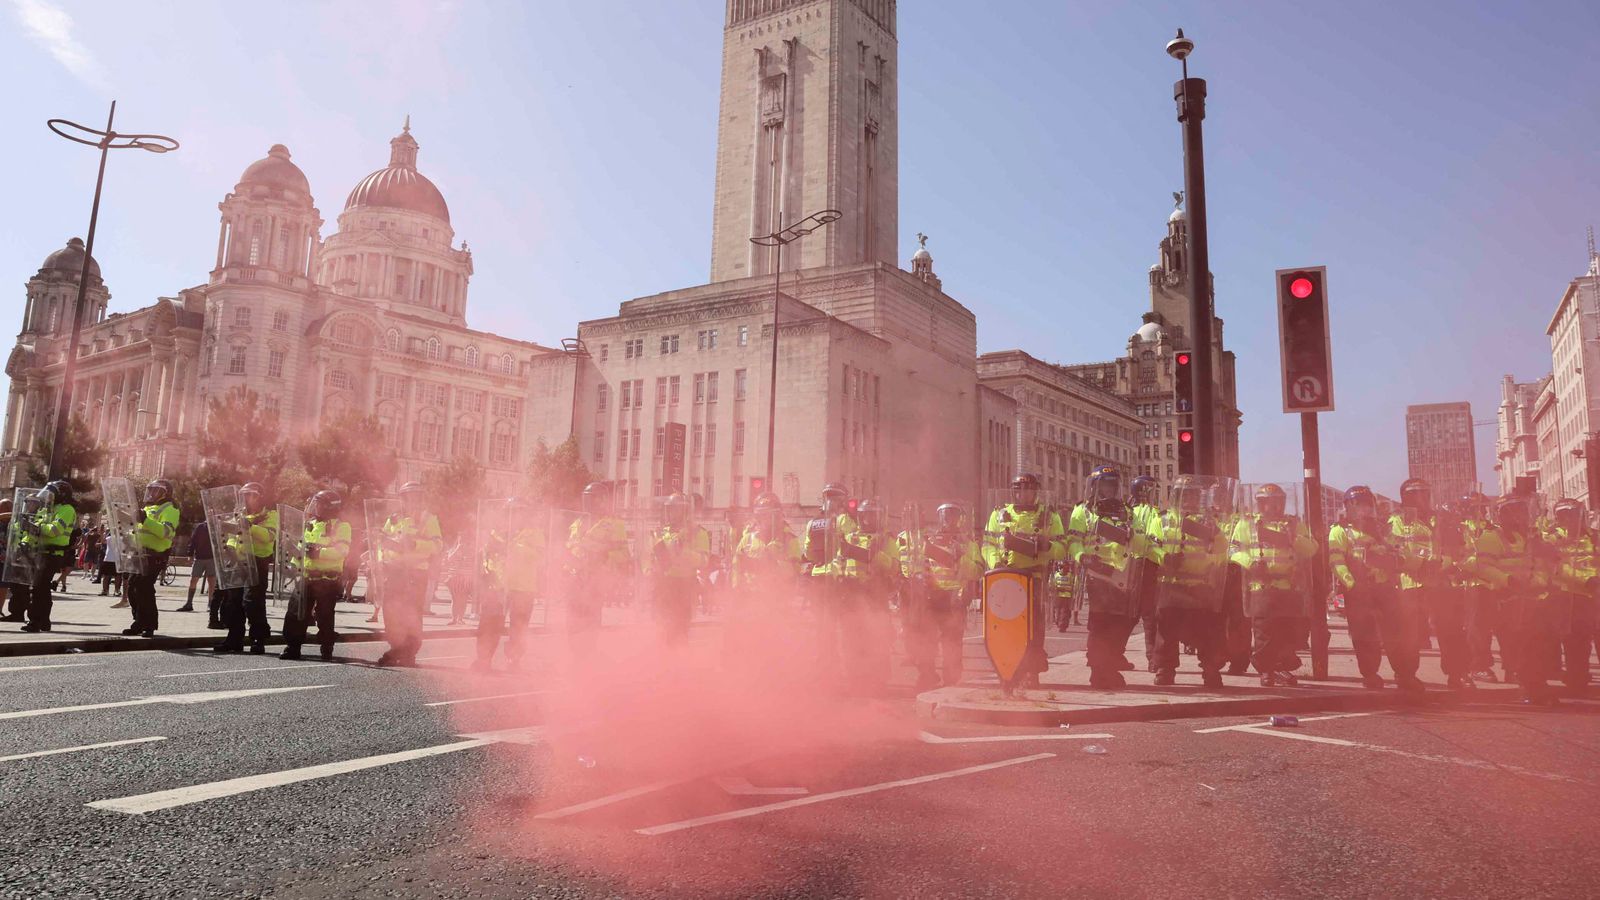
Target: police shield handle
{"x":1008,"y":611}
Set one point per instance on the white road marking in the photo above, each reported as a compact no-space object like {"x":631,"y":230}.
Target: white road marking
{"x":531,"y":735}
{"x":143,"y":740}
{"x":145,"y":803}
{"x":432,"y":658}
{"x":490,"y":697}
{"x":205,"y":697}
{"x":1295,"y":736}
{"x":741,"y":787}
{"x":286,"y":667}
{"x":931,"y":738}
{"x":836,"y":795}
{"x":50,"y":666}
{"x":1249,"y":726}
{"x":609,"y":799}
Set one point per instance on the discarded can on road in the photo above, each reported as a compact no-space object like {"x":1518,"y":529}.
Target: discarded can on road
{"x":1096,"y":749}
{"x":1285,"y":721}
{"x":586,"y":761}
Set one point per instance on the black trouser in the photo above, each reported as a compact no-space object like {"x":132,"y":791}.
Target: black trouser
{"x":674,"y":601}
{"x":935,"y":622}
{"x":1276,"y":641}
{"x":1108,"y":639}
{"x":1577,"y":640}
{"x":142,"y":591}
{"x":247,"y":605}
{"x":1445,"y":607}
{"x":109,"y":579}
{"x":1485,"y":623}
{"x":866,"y":631}
{"x":19,"y":595}
{"x":1539,"y":625}
{"x":497,"y":608}
{"x":40,"y":600}
{"x":1192,"y":624}
{"x":318,"y":604}
{"x":1236,"y":624}
{"x":1380,"y":623}
{"x":1146,"y":592}
{"x":403,"y":607}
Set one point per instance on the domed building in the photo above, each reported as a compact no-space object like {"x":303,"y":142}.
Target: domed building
{"x":369,"y":321}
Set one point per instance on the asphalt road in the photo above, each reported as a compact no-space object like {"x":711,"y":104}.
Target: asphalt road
{"x":341,"y":781}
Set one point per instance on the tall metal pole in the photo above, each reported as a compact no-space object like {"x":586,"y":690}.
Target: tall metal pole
{"x":1190,"y":94}
{"x":1312,"y":450}
{"x":772,"y":386}
{"x":64,"y":408}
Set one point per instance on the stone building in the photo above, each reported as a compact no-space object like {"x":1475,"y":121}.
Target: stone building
{"x":1440,"y":448}
{"x":1064,"y":426}
{"x":1575,"y":379}
{"x":370,"y":320}
{"x":1144,"y":375}
{"x":1516,"y":441}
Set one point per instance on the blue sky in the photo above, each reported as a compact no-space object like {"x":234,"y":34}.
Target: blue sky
{"x":1439,"y":158}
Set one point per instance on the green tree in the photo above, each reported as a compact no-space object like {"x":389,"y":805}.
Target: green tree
{"x":454,"y":490}
{"x":557,"y":477}
{"x":240,"y":441}
{"x":350,"y":452}
{"x":81,"y":456}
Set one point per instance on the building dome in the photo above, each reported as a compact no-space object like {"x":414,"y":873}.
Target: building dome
{"x":1177,"y":216}
{"x":1149,"y":332}
{"x":70,"y":259}
{"x":276,"y":171}
{"x":922,"y":253}
{"x":400,"y":186}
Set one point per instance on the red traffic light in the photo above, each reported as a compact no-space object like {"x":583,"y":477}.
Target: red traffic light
{"x":1301,"y":288}
{"x":1186,"y":435}
{"x":1183,"y":359}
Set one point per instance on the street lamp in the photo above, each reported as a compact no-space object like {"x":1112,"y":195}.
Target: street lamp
{"x":107,"y":141}
{"x":776,"y":241}
{"x":1190,"y":93}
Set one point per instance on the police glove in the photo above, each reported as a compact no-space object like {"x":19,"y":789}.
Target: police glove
{"x":1172,"y":561}
{"x":1017,"y":543}
{"x":942,"y":555}
{"x":859,"y":554}
{"x":313,"y":552}
{"x":138,"y":515}
{"x":1096,"y":565}
{"x":1273,"y":537}
{"x":1200,"y":528}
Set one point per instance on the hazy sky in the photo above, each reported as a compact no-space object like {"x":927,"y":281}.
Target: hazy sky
{"x":1439,"y":158}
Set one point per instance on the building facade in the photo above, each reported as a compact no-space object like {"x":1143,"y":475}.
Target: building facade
{"x":1547,"y":425}
{"x":1144,"y":375}
{"x":1440,"y":448}
{"x":1064,"y":426}
{"x":1517,"y":459}
{"x":1575,"y":379}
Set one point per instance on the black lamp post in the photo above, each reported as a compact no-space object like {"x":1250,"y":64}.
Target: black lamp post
{"x":107,"y":141}
{"x":776,"y":241}
{"x":1190,"y":93}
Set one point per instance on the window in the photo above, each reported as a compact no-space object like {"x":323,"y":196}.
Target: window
{"x":697,"y":437}
{"x":255,"y":244}
{"x":505,"y":407}
{"x":344,"y":334}
{"x":507,"y":365}
{"x":711,"y":439}
{"x":236,"y":361}
{"x":627,"y":395}
{"x":241,"y":316}
{"x":711,"y":387}
{"x":464,"y":442}
{"x":472,"y":357}
{"x":699,"y":387}
{"x":672,"y":390}
{"x":661,"y":391}
{"x":388,"y":425}
{"x":599,"y":446}
{"x":738,"y":438}
{"x":634,"y":453}
{"x":744,"y":335}
{"x":400,"y":285}
{"x":280,"y":320}
{"x":661,"y":442}
{"x":848,"y":380}
{"x":739,"y":383}
{"x":638,"y":393}
{"x":429,"y":394}
{"x":633,"y":348}
{"x":426,"y":439}
{"x":340,"y":379}
{"x":275,"y":364}
{"x":707,"y":340}
{"x":622,"y":444}
{"x":502,"y":444}
{"x":605,"y":352}
{"x":669,"y":344}
{"x":272,"y":403}
{"x":388,"y":387}
{"x":433,"y":348}
{"x":602,"y":393}
{"x":391,"y":340}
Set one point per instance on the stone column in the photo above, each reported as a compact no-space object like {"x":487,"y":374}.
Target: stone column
{"x":13,"y":408}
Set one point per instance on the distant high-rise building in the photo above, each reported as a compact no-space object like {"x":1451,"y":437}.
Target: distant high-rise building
{"x":1440,"y":449}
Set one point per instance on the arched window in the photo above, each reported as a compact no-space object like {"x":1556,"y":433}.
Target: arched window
{"x":391,"y":340}
{"x":472,"y":357}
{"x":334,"y":408}
{"x":506,"y":365}
{"x":503,"y":444}
{"x":340,"y":379}
{"x":433,"y":348}
{"x":426,"y":438}
{"x":389,"y":424}
{"x":466,"y":438}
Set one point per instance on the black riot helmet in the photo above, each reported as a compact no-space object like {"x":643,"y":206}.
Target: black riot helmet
{"x":1188,"y":496}
{"x":1569,"y":514}
{"x":325,"y":505}
{"x":952,"y":518}
{"x":158,"y":491}
{"x":253,"y":495}
{"x":833,"y":498}
{"x":1512,"y":514}
{"x":60,"y":491}
{"x":1025,"y":491}
{"x":1474,"y":505}
{"x":597,"y":498}
{"x":1142,"y":490}
{"x":1271,"y":501}
{"x":1360,"y":504}
{"x":869,"y":516}
{"x":1416,"y":497}
{"x":675,"y":509}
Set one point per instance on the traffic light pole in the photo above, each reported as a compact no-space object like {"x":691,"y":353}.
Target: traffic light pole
{"x":1191,"y":96}
{"x":1312,"y":447}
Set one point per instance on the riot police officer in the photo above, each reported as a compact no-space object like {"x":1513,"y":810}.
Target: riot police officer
{"x":679,"y":549}
{"x":1509,"y":557}
{"x":1192,"y":550}
{"x":1367,"y":567}
{"x":157,"y":525}
{"x":248,"y":605}
{"x":866,"y":566}
{"x":599,"y":562}
{"x":1026,"y":535}
{"x":1275,"y":551}
{"x":408,"y":542}
{"x":1573,"y":584}
{"x":824,"y":535}
{"x":1111,"y":555}
{"x":1143,"y":512}
{"x":326,"y":543}
{"x":48,"y":535}
{"x":513,"y":561}
{"x":1426,"y":579}
{"x":1484,"y":621}
{"x":936,"y":564}
{"x":767,"y":557}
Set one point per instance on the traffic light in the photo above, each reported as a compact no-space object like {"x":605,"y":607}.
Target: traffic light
{"x":1307,"y":353}
{"x":1183,"y":376}
{"x":1186,"y":451}
{"x":758,"y":486}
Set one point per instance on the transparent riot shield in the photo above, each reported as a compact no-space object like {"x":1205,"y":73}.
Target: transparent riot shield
{"x":491,"y":559}
{"x":121,"y":515}
{"x":291,"y":560}
{"x":380,"y":556}
{"x":22,"y":541}
{"x":1113,"y":565}
{"x":1191,"y":543}
{"x":1260,"y":537}
{"x":230,"y":537}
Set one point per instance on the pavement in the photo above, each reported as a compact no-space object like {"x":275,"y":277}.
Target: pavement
{"x":1063,"y":696}
{"x":155,"y":774}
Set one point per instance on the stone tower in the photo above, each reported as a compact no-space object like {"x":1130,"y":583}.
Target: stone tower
{"x":53,"y":289}
{"x":808,"y":122}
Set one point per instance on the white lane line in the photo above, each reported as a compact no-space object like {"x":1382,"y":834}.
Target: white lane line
{"x":50,"y":666}
{"x":609,"y":799}
{"x":432,"y":658}
{"x":490,"y":697}
{"x":286,"y":667}
{"x":143,"y":740}
{"x":1481,"y":764}
{"x":741,"y":787}
{"x":204,"y":697}
{"x":836,"y":795}
{"x":199,"y":793}
{"x":928,"y":737}
{"x":1248,"y":726}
